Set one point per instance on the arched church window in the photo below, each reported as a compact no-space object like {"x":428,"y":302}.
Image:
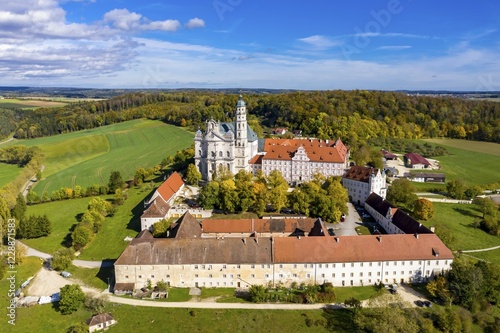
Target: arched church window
{"x":228,"y":166}
{"x":199,"y":152}
{"x":228,"y":154}
{"x":220,"y":154}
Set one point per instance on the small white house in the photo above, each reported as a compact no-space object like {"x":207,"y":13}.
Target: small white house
{"x":101,"y":322}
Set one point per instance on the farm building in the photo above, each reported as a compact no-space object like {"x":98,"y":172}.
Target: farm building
{"x":416,"y":161}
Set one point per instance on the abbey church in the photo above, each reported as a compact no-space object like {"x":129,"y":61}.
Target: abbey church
{"x":235,"y":146}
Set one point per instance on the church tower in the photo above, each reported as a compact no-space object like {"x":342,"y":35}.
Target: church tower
{"x":241,"y":139}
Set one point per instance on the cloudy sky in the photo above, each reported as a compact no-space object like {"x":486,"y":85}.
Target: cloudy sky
{"x":322,"y":44}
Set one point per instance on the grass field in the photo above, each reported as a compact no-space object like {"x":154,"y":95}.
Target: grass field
{"x":88,"y":157}
{"x":458,"y":219}
{"x":475,"y":162}
{"x":8,"y":172}
{"x":29,"y":103}
{"x":109,"y":242}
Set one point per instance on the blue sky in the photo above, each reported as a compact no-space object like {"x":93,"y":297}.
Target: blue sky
{"x":387,"y":45}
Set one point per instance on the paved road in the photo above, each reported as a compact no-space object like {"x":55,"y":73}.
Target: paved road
{"x":80,"y":263}
{"x":213,"y":305}
{"x":352,"y":221}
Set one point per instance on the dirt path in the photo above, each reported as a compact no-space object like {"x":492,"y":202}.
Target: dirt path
{"x":48,"y":282}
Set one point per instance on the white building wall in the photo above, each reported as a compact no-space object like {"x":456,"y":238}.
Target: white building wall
{"x":245,"y":275}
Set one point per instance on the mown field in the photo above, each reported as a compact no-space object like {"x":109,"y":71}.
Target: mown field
{"x":8,"y":172}
{"x":29,"y":104}
{"x":87,"y":157}
{"x":475,"y":162}
{"x":459,"y":218}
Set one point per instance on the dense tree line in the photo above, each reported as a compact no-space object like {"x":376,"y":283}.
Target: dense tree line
{"x":355,"y":116}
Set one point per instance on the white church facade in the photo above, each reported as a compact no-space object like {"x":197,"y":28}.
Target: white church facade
{"x":230,"y":145}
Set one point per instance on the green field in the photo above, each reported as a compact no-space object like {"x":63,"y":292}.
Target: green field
{"x":8,"y":172}
{"x":87,"y":157}
{"x":459,"y":219}
{"x":29,"y":103}
{"x":108,"y":243}
{"x":475,"y":162}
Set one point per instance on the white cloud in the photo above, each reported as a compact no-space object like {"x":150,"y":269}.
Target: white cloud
{"x":195,"y":23}
{"x":319,"y":42}
{"x":123,"y":19}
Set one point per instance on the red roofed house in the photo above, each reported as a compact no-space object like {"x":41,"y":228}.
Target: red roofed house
{"x":361,"y":181}
{"x":299,"y":159}
{"x":415,"y":161}
{"x":158,"y":207}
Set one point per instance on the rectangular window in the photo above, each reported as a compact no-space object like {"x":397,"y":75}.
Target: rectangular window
{"x":267,"y":276}
{"x":352,"y":264}
{"x":281,"y":266}
{"x":295,"y":275}
{"x":393,"y":272}
{"x":333,"y":275}
{"x":252,"y":275}
{"x":402,"y":272}
{"x":343,"y":265}
{"x":320,"y":266}
{"x":195,"y":266}
{"x":224,"y":266}
{"x":352,"y":274}
{"x":369,"y":273}
{"x":262,"y":266}
{"x":209,"y":275}
{"x":209,"y":266}
{"x":322,"y":275}
{"x":126,"y":276}
{"x":294,"y":265}
{"x":202,"y":266}
{"x":308,"y":275}
{"x":196,"y":275}
{"x":343,"y":274}
{"x":168,"y":276}
{"x":224,"y":276}
{"x":140,"y":276}
{"x":238,"y":266}
{"x":252,"y":266}
{"x":281,"y":275}
{"x":361,"y":274}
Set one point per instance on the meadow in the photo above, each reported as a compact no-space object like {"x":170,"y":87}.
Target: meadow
{"x":459,"y":219}
{"x":109,"y":242}
{"x":474,"y":162}
{"x":8,"y":172}
{"x":88,"y":157}
{"x":29,"y":103}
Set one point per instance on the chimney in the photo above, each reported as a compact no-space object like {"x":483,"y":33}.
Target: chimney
{"x":256,"y":240}
{"x":432,"y":229}
{"x":416,"y":235}
{"x":244,"y":240}
{"x":337,"y":239}
{"x":298,"y":236}
{"x":379,"y":239}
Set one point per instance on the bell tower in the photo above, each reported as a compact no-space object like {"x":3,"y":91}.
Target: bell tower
{"x":241,"y":137}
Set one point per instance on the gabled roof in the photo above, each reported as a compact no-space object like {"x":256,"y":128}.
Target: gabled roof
{"x":182,"y":251}
{"x":426,"y":175}
{"x":359,"y":248}
{"x":316,"y":150}
{"x":318,"y":229}
{"x":170,"y":186}
{"x":378,"y":203}
{"x":158,"y":208}
{"x":408,"y":224}
{"x":361,"y":173}
{"x":186,"y":227}
{"x":100,"y":319}
{"x":274,"y":225}
{"x":416,"y":159}
{"x":145,"y":234}
{"x":388,"y":154}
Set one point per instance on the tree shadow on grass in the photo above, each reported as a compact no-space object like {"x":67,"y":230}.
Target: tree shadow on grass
{"x":67,"y":241}
{"x":465,"y":212}
{"x":339,"y":320}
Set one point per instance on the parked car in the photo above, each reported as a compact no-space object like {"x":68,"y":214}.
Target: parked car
{"x":419,"y":303}
{"x":65,"y":274}
{"x":428,"y":304}
{"x":331,"y":232}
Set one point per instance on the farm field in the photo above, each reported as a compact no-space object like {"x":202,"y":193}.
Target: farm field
{"x":8,"y":172}
{"x":474,"y":162}
{"x":87,"y":157}
{"x":458,"y":218}
{"x":30,"y":103}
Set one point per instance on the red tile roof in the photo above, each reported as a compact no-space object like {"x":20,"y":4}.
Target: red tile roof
{"x":416,"y":159}
{"x":158,"y":208}
{"x":258,"y":225}
{"x":360,"y":173}
{"x":170,"y":186}
{"x":257,"y":159}
{"x":316,"y":150}
{"x":359,"y":248}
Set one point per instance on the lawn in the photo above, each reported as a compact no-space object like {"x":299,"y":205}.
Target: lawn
{"x":8,"y":172}
{"x":360,"y":293}
{"x":92,"y":277}
{"x":87,"y":157}
{"x":109,"y":242}
{"x":44,"y":318}
{"x":473,"y":161}
{"x":458,"y":218}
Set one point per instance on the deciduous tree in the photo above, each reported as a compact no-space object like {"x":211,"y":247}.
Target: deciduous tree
{"x":72,"y":298}
{"x":193,"y":176}
{"x":423,"y":209}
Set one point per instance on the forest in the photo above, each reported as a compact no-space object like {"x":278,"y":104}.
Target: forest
{"x":355,"y":116}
